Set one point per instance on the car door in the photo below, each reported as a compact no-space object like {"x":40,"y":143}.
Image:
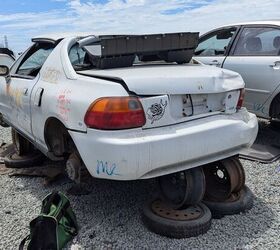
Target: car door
{"x":24,"y":76}
{"x":213,"y":46}
{"x":255,"y":55}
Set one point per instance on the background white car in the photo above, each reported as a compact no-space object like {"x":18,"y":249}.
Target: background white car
{"x":251,"y":49}
{"x":149,"y":119}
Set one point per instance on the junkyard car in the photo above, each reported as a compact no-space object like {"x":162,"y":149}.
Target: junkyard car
{"x":149,"y":119}
{"x":253,"y":50}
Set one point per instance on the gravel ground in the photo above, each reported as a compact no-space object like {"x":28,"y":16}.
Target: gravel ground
{"x":109,"y":216}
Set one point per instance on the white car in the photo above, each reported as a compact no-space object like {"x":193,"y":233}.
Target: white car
{"x":253,"y":50}
{"x":148,"y":119}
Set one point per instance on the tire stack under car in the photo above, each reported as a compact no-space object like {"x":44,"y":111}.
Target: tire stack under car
{"x":23,"y":154}
{"x":212,"y":191}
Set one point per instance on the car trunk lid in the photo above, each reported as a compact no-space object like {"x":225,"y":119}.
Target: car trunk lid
{"x":173,"y":94}
{"x":172,"y":79}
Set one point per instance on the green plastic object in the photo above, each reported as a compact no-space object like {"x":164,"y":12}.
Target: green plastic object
{"x":54,"y":227}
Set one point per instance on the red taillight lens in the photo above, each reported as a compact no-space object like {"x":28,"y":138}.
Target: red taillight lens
{"x":241,"y":99}
{"x":115,"y":113}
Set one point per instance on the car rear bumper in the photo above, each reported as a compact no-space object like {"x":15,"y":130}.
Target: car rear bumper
{"x":140,"y":154}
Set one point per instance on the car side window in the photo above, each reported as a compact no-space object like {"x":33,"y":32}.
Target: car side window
{"x":77,"y":56}
{"x":263,"y":41}
{"x":34,"y":59}
{"x":215,"y":44}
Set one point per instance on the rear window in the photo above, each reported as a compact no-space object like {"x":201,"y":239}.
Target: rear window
{"x":77,"y":55}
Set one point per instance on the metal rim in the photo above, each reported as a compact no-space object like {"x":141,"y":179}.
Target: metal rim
{"x":174,"y":188}
{"x":223,"y":178}
{"x":240,"y":172}
{"x":233,"y":197}
{"x":185,"y":214}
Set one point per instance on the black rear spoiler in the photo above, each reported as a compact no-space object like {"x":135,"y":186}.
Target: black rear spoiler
{"x":120,"y":50}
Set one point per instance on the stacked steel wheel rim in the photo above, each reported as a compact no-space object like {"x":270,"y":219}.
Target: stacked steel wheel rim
{"x":236,"y":197}
{"x":223,"y":178}
{"x":184,"y":214}
{"x":214,"y":190}
{"x":180,"y":215}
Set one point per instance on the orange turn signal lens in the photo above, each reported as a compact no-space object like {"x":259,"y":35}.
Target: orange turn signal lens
{"x":115,"y":113}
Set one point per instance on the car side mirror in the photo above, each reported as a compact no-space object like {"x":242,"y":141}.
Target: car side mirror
{"x":5,"y":71}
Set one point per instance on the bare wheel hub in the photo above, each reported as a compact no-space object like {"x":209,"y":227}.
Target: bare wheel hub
{"x":73,"y":168}
{"x":185,"y":214}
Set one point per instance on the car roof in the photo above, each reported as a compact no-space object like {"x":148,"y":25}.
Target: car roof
{"x":261,"y":22}
{"x":58,"y":36}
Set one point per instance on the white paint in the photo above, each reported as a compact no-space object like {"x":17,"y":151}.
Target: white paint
{"x":174,"y":79}
{"x":154,"y":150}
{"x":141,"y":154}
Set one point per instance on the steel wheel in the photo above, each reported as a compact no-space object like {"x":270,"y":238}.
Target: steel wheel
{"x":183,"y":188}
{"x":240,"y":172}
{"x":223,"y":178}
{"x":184,"y":214}
{"x":189,"y":221}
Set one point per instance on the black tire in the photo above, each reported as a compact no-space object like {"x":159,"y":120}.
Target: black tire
{"x":275,"y":124}
{"x":239,"y":202}
{"x":13,"y":160}
{"x":175,"y":228}
{"x":274,"y":111}
{"x":2,"y":123}
{"x":194,"y":189}
{"x":22,"y":145}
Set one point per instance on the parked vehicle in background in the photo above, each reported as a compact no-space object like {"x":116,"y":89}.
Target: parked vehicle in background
{"x":253,"y":50}
{"x":6,"y":57}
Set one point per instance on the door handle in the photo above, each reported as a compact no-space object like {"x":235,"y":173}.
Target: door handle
{"x":275,"y":65}
{"x":215,"y":63}
{"x":25,"y":91}
{"x":38,"y":97}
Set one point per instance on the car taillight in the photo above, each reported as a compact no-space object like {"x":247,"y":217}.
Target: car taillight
{"x":115,"y":113}
{"x":241,"y":99}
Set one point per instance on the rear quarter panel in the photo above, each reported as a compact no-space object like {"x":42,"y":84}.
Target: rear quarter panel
{"x":63,"y":98}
